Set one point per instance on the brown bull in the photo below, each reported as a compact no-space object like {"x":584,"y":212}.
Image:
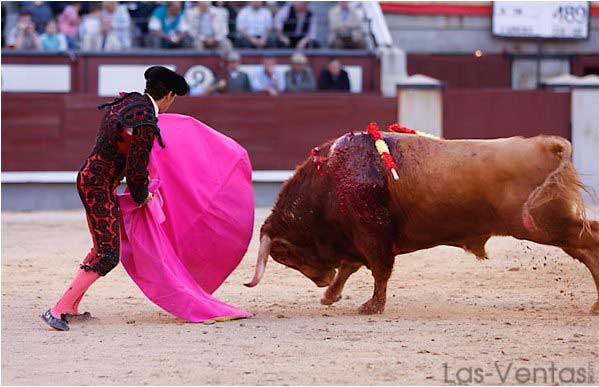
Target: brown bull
{"x":343,"y":209}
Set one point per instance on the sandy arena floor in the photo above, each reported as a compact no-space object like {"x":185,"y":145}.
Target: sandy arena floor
{"x":526,"y":307}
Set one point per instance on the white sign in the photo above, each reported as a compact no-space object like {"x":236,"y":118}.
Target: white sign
{"x":198,"y":78}
{"x":112,"y":79}
{"x":541,"y":19}
{"x":36,"y":78}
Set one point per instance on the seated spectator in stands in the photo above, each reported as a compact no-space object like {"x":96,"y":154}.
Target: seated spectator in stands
{"x":268,"y":79}
{"x":208,"y":25}
{"x":167,"y":27}
{"x":254,"y":26}
{"x":333,"y":77}
{"x":116,"y":24}
{"x":68,"y":23}
{"x":345,"y":27}
{"x":23,"y":35}
{"x":91,"y":29}
{"x":235,"y":81}
{"x":140,"y":12}
{"x":52,"y":40}
{"x":41,"y":14}
{"x":296,"y":26}
{"x":299,"y":77}
{"x":231,"y":8}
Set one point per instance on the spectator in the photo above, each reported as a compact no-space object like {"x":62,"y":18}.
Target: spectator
{"x":296,"y":26}
{"x":23,"y":35}
{"x":116,"y":25}
{"x":268,"y":79}
{"x":41,"y":14}
{"x":140,"y":12}
{"x":299,"y":77}
{"x":167,"y":27}
{"x":10,"y":16}
{"x":90,"y":29}
{"x":52,"y":40}
{"x":3,"y":20}
{"x":68,"y":23}
{"x":208,"y":25}
{"x":345,"y":27}
{"x":231,"y":8}
{"x":236,"y":81}
{"x":254,"y":26}
{"x":333,"y":77}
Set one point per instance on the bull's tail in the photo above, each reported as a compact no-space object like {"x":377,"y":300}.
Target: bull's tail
{"x":561,"y":184}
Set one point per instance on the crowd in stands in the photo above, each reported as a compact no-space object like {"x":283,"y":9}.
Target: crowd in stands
{"x":117,"y":26}
{"x":299,"y":77}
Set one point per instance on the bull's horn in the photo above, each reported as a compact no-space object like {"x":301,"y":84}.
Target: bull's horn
{"x":263,"y":253}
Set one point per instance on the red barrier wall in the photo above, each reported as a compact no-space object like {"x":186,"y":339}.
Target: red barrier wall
{"x":42,"y":132}
{"x":585,"y":64}
{"x":467,"y":71}
{"x":45,"y":132}
{"x":504,"y":113}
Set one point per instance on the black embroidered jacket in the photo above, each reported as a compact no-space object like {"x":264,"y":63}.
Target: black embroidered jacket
{"x":124,"y":143}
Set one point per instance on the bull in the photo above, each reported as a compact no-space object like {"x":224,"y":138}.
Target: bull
{"x":342,"y":209}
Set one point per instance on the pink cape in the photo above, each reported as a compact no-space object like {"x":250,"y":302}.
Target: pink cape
{"x":184,"y":243}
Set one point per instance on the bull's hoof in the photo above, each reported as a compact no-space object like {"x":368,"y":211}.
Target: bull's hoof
{"x":325,"y":300}
{"x":372,"y":307}
{"x":595,"y":309}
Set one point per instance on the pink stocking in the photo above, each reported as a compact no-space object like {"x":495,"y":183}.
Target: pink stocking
{"x":69,"y":301}
{"x":76,"y":305}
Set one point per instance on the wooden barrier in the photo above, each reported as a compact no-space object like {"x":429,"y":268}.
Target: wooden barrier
{"x":45,"y":132}
{"x":502,"y":113}
{"x":465,"y":71}
{"x":55,"y":132}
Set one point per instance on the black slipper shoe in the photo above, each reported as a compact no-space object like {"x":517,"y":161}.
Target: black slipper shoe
{"x":76,"y":317}
{"x":58,"y":324}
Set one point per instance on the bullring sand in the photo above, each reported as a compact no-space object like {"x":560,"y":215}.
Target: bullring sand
{"x":526,"y":307}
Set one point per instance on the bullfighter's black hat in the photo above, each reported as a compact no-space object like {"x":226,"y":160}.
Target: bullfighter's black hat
{"x":169,"y":78}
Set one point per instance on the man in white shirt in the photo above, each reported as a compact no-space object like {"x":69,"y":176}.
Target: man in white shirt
{"x":345,"y":27}
{"x":117,"y":25}
{"x":208,"y":25}
{"x":254,"y":26}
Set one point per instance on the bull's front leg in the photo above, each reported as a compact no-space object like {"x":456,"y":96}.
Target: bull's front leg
{"x":381,"y":271}
{"x":333,"y":292}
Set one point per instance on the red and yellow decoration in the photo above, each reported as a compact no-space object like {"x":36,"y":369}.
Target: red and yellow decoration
{"x":383,"y":149}
{"x":380,"y":144}
{"x":402,"y":129}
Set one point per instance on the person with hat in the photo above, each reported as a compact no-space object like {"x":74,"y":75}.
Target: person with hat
{"x":123,"y":145}
{"x":299,"y":78}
